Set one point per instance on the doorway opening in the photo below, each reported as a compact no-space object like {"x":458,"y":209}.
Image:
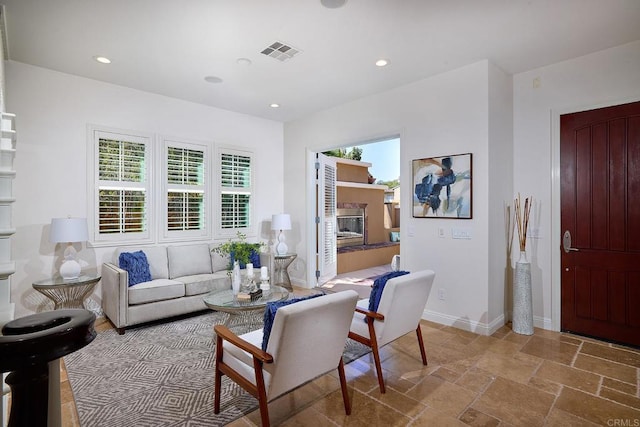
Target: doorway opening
{"x":358,"y":221}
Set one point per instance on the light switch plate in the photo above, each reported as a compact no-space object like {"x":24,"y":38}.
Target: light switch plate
{"x":461,"y":233}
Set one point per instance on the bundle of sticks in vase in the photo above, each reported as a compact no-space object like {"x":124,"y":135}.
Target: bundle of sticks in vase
{"x":522,"y":220}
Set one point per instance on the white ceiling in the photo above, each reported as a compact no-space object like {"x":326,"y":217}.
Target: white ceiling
{"x":168,"y":47}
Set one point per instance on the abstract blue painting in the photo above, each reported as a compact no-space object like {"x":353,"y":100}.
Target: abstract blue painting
{"x":442,"y":187}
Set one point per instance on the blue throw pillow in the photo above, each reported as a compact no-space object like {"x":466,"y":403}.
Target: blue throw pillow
{"x":136,"y":264}
{"x":270,"y":314}
{"x":378,"y":287}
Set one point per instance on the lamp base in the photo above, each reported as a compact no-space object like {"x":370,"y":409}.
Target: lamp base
{"x":70,"y":269}
{"x":281,"y":247}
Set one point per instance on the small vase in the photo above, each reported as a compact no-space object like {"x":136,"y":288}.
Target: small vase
{"x":235,"y":278}
{"x":522,"y":322}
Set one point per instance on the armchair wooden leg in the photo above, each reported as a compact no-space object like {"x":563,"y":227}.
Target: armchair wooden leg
{"x":218,"y":377}
{"x":216,"y":399}
{"x":376,"y":355}
{"x":343,"y":386}
{"x":376,"y":359}
{"x":421,"y":344}
{"x":261,"y":393}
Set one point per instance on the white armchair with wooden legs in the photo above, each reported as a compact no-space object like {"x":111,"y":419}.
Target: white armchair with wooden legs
{"x":401,"y":306}
{"x":307,"y":340}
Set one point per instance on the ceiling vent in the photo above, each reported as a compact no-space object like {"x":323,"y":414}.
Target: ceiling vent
{"x":280,"y":51}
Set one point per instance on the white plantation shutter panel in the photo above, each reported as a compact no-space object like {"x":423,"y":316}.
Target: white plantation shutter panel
{"x":329,"y":251}
{"x":235,"y":179}
{"x":185,"y":169}
{"x":185,"y":211}
{"x":122,"y":187}
{"x":327,"y":228}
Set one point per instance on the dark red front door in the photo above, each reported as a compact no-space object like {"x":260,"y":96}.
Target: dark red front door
{"x":600,"y":202}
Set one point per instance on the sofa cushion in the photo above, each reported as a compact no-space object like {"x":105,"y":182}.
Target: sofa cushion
{"x":136,"y":265}
{"x":218,"y":262}
{"x":156,"y":257}
{"x":155,"y":290}
{"x":198,"y":284}
{"x":189,"y":260}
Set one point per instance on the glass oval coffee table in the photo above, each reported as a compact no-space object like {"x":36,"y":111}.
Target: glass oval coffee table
{"x":243,"y":316}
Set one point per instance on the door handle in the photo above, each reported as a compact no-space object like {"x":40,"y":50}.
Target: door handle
{"x":566,"y":243}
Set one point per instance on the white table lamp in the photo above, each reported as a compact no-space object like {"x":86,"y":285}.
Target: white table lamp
{"x":69,"y":230}
{"x":281,"y":222}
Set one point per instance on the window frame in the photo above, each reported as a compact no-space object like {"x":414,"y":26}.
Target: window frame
{"x":95,"y":133}
{"x":219,"y":231}
{"x":165,"y":234}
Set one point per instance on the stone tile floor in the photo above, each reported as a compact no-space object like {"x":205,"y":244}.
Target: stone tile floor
{"x":547,"y":379}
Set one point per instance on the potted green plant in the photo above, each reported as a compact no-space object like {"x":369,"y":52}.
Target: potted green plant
{"x":240,"y":250}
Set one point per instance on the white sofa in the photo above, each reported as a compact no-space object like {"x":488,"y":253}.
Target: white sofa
{"x":181,"y":276}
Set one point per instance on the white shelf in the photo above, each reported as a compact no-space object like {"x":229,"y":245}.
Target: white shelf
{"x":7,"y":269}
{"x":7,"y":232}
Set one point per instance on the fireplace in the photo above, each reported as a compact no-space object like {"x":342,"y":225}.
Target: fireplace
{"x":351,"y":226}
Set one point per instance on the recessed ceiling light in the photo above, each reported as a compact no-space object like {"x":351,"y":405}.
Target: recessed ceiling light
{"x":381,"y":62}
{"x":274,"y":105}
{"x":333,"y":4}
{"x":213,"y":79}
{"x":243,"y":61}
{"x":102,"y":59}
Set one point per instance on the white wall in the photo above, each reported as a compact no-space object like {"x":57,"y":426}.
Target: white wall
{"x":54,"y":109}
{"x":601,"y":79}
{"x":500,"y":98}
{"x":445,"y":114}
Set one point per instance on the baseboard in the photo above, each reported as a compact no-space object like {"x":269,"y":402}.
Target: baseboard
{"x":543,"y":323}
{"x":539,"y":322}
{"x":465,"y":324}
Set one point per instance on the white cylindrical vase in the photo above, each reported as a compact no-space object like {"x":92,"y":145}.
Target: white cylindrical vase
{"x":522,"y":322}
{"x":235,"y":278}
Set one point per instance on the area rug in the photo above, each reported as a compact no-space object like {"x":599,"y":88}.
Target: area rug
{"x":158,"y":375}
{"x":361,"y":286}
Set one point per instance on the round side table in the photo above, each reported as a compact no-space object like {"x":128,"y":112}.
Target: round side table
{"x":280,"y":273}
{"x":67,"y":293}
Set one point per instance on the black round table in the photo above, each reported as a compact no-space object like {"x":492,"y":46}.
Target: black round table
{"x":27,"y":345}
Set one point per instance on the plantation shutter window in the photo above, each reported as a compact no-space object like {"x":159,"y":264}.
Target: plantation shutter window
{"x":122,"y":187}
{"x":185,"y":181}
{"x":236,"y":188}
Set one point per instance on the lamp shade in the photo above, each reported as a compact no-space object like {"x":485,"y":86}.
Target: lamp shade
{"x":68,"y":230}
{"x":281,"y":222}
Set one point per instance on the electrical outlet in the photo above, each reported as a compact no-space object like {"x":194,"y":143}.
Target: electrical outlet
{"x":441,"y":294}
